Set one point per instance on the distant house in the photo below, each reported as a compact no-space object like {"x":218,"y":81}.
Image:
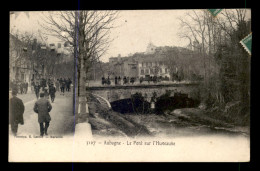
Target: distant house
{"x":149,"y":63}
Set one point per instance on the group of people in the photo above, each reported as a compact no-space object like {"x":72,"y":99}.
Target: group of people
{"x":153,"y":79}
{"x":44,"y":89}
{"x":20,"y":86}
{"x":126,"y":80}
{"x":16,"y":108}
{"x":49,"y":87}
{"x":118,"y":80}
{"x":131,"y":80}
{"x":63,"y":84}
{"x":106,"y":81}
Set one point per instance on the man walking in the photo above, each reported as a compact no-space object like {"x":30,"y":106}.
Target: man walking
{"x":43,"y":107}
{"x":62,"y":87}
{"x":52,"y":91}
{"x":57,"y":84}
{"x":37,"y":89}
{"x":16,"y":109}
{"x":68,"y":84}
{"x":65,"y":82}
{"x":46,"y":92}
{"x":21,"y":87}
{"x":32,"y":85}
{"x":26,"y":87}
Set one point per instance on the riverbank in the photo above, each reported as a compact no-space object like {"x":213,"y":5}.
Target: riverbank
{"x":179,"y":122}
{"x":187,"y":122}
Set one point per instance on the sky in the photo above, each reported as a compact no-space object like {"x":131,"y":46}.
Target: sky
{"x":135,"y":29}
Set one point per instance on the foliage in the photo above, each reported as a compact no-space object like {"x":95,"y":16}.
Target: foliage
{"x":26,"y":52}
{"x":226,"y":64}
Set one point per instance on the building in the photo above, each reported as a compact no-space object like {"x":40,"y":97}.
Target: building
{"x":36,"y":60}
{"x":151,"y":66}
{"x":150,"y":63}
{"x":20,"y":68}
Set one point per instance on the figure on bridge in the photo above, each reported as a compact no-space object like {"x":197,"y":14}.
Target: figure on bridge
{"x":116,"y":80}
{"x":119,"y":80}
{"x":132,"y":80}
{"x":141,"y":80}
{"x":108,"y":81}
{"x":125,"y":81}
{"x":103,"y":80}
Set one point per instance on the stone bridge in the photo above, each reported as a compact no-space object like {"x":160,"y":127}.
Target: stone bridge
{"x":114,"y":93}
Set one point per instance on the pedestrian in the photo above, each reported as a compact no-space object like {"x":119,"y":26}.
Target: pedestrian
{"x":21,"y":87}
{"x":46,"y":92}
{"x":42,"y":107}
{"x":26,"y":87}
{"x":49,"y":82}
{"x":62,"y":87}
{"x":57,"y":84}
{"x":60,"y":82}
{"x":52,"y":91}
{"x":127,"y":80}
{"x":65,"y":84}
{"x":32,"y":85}
{"x":16,"y":109}
{"x":44,"y":83}
{"x":68,"y":84}
{"x":37,"y":89}
{"x":24,"y":91}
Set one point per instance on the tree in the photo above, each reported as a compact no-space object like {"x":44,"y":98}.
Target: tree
{"x":26,"y":52}
{"x":216,"y":36}
{"x":88,"y":32}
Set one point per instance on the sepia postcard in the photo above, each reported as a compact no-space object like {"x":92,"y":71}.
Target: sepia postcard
{"x":130,"y":85}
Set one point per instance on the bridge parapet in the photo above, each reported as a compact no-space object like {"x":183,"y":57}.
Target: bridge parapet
{"x":114,"y":93}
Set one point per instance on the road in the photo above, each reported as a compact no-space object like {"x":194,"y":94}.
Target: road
{"x":62,"y":119}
